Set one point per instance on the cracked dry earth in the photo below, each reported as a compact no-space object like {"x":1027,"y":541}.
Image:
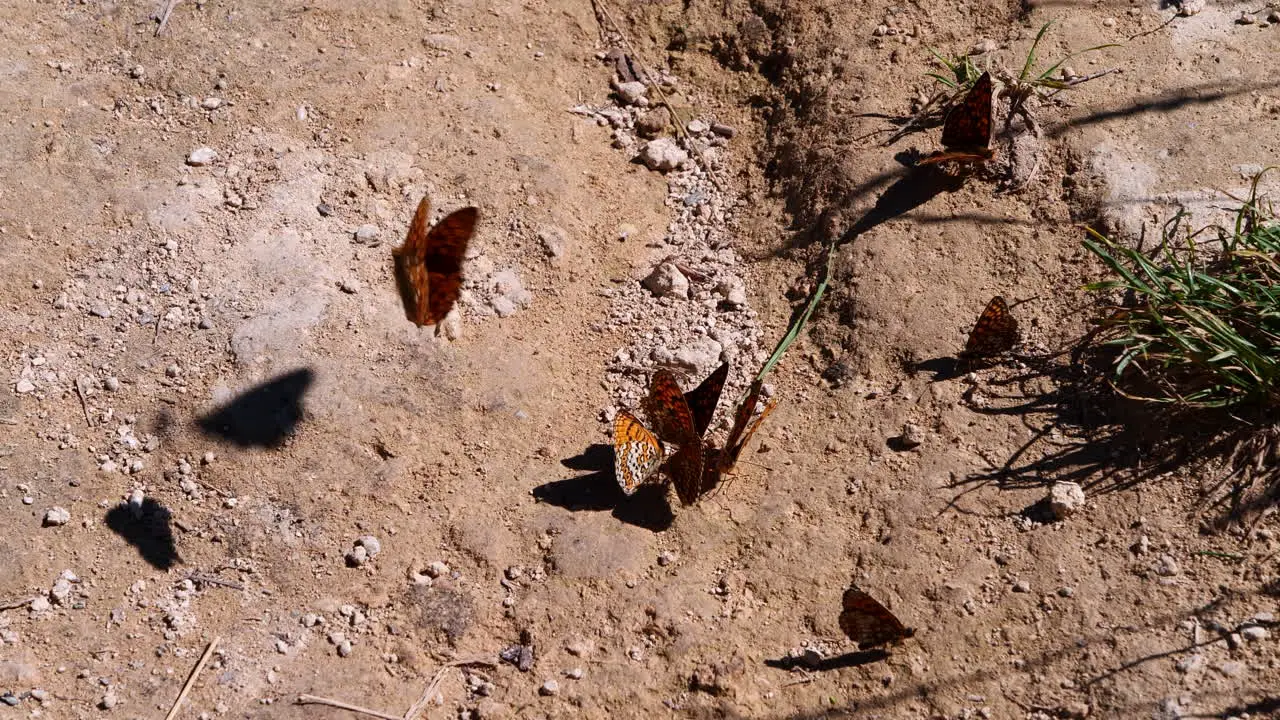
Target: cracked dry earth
{"x":219,"y":425}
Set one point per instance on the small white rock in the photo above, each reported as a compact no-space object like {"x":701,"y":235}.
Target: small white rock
{"x":663,"y":154}
{"x":370,"y":543}
{"x":24,"y":386}
{"x":56,"y":516}
{"x":202,"y":156}
{"x":1065,"y":499}
{"x":666,"y":280}
{"x":631,"y":93}
{"x":367,"y":234}
{"x":550,"y":687}
{"x":1166,"y":566}
{"x":437,"y":568}
{"x":1254,"y":633}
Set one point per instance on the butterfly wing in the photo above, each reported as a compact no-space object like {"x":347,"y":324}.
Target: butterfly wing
{"x":743,"y":427}
{"x":673,"y":421}
{"x":411,"y":272}
{"x":995,"y":332}
{"x":968,"y":126}
{"x":869,"y":623}
{"x":637,"y":453}
{"x":704,"y":398}
{"x":668,"y":410}
{"x":962,"y":157}
{"x":429,"y":264}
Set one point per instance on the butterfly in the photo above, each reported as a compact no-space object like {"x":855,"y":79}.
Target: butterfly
{"x":720,"y":461}
{"x":995,"y":332}
{"x":429,"y":263}
{"x":966,"y":134}
{"x":673,"y":421}
{"x":869,"y":623}
{"x":637,"y":452}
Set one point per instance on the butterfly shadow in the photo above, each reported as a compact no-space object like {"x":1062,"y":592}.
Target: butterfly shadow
{"x":146,"y":527}
{"x":835,"y":662}
{"x":598,"y":491}
{"x":263,"y":416}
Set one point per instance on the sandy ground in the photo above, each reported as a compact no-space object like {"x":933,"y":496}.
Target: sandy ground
{"x":209,"y":370}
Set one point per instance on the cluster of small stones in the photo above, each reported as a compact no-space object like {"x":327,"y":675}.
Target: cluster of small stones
{"x":689,"y":311}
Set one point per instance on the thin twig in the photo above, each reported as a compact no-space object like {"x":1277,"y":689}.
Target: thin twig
{"x":191,"y":679}
{"x":84,"y":404}
{"x":201,"y":578}
{"x":164,"y":15}
{"x":679,"y":122}
{"x":317,"y":700}
{"x":1155,"y":29}
{"x":14,"y":604}
{"x":430,"y":692}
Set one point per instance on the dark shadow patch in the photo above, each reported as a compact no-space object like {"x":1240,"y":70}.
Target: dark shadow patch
{"x":942,"y":368}
{"x":835,"y":662}
{"x":599,"y":491}
{"x":146,"y":527}
{"x":264,"y":416}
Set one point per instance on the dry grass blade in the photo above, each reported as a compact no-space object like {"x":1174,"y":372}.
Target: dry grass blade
{"x":191,"y":679}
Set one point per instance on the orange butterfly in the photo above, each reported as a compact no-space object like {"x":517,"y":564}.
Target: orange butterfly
{"x":869,"y":623}
{"x":637,"y":453}
{"x":429,"y":263}
{"x":720,"y":461}
{"x":995,"y":332}
{"x":966,"y":134}
{"x":673,"y":422}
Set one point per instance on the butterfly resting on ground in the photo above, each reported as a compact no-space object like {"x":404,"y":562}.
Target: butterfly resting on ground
{"x":966,"y":133}
{"x":428,"y":265}
{"x":673,"y":422}
{"x":995,"y":332}
{"x":869,"y":623}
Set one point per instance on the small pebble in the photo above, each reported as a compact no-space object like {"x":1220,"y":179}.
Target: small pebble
{"x":1022,"y":586}
{"x":912,"y":436}
{"x":437,"y":568}
{"x":370,"y":543}
{"x":663,"y":154}
{"x":202,"y":156}
{"x":211,"y":103}
{"x":1166,"y":566}
{"x":550,"y":687}
{"x":1254,"y":633}
{"x":1066,"y":592}
{"x":666,"y":557}
{"x":631,"y":93}
{"x":697,"y":127}
{"x":1065,"y":499}
{"x":344,"y":648}
{"x":208,"y":458}
{"x":108,"y":700}
{"x":725,"y":131}
{"x":100,"y":310}
{"x":367,"y":234}
{"x":112,"y":383}
{"x":10,"y":699}
{"x":1109,"y":22}
{"x":351,"y":286}
{"x":56,"y":516}
{"x":24,"y":386}
{"x":575,"y":673}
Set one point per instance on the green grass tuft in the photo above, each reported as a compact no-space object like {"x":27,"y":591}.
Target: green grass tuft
{"x":1200,"y":325}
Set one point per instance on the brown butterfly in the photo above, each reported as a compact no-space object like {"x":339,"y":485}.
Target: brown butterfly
{"x":673,"y":422}
{"x":995,"y":332}
{"x":869,"y":623}
{"x":721,"y":461}
{"x":966,"y":134}
{"x":429,"y":263}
